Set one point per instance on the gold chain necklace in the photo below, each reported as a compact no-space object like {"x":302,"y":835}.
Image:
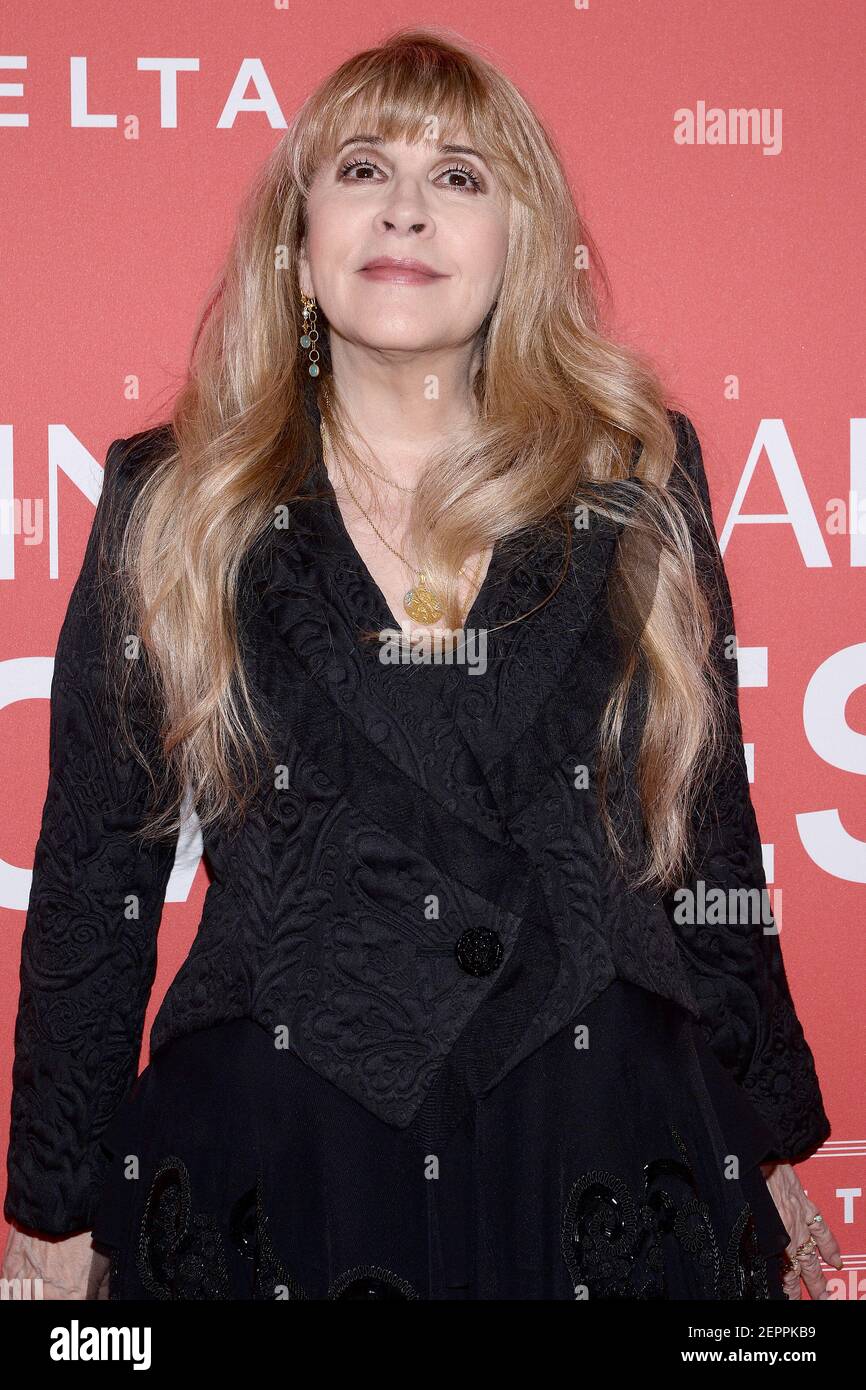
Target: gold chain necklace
{"x":382,"y":479}
{"x":390,"y":481}
{"x":421,"y":602}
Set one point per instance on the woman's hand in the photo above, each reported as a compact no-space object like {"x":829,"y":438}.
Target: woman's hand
{"x":796,"y":1211}
{"x":68,"y":1266}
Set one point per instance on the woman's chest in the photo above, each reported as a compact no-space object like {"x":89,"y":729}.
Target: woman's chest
{"x":399,"y":591}
{"x":479,"y":730}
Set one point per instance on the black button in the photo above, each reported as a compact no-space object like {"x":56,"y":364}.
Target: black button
{"x":479,"y":951}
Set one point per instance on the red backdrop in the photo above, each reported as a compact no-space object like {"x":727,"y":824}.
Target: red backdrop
{"x":736,"y":264}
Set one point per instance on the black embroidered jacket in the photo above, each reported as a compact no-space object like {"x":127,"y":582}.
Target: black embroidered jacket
{"x":318,"y":917}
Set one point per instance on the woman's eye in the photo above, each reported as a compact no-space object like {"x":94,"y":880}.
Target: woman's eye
{"x":367,"y":165}
{"x":356,"y":164}
{"x":461,"y":169}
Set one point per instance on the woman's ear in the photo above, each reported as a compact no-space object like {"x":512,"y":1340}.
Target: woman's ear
{"x":304,"y":279}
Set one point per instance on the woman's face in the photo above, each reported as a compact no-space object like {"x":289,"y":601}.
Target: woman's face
{"x":377,"y":200}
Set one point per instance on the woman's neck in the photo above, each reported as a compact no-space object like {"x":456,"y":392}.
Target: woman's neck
{"x":402,"y":413}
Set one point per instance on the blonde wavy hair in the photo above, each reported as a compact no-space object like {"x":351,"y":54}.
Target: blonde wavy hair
{"x":560,"y":408}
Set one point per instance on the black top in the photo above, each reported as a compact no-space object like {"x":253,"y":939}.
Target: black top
{"x":420,"y":901}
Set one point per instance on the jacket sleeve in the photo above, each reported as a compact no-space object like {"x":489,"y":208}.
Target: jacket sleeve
{"x":88,"y":952}
{"x":736,"y":966}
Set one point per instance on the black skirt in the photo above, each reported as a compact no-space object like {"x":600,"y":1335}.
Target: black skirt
{"x":619,"y":1160}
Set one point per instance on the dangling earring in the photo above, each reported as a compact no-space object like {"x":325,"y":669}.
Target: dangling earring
{"x":310,"y":335}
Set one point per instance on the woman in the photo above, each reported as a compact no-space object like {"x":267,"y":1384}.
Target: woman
{"x":449,"y":1028}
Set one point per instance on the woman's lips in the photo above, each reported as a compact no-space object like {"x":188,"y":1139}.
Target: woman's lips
{"x":399,"y":275}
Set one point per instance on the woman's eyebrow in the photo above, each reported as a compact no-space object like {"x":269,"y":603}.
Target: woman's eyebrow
{"x":443,"y":149}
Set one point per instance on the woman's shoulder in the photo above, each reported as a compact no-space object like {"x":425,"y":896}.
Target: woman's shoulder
{"x":689,"y":455}
{"x":130,"y":457}
{"x":129,"y":461}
